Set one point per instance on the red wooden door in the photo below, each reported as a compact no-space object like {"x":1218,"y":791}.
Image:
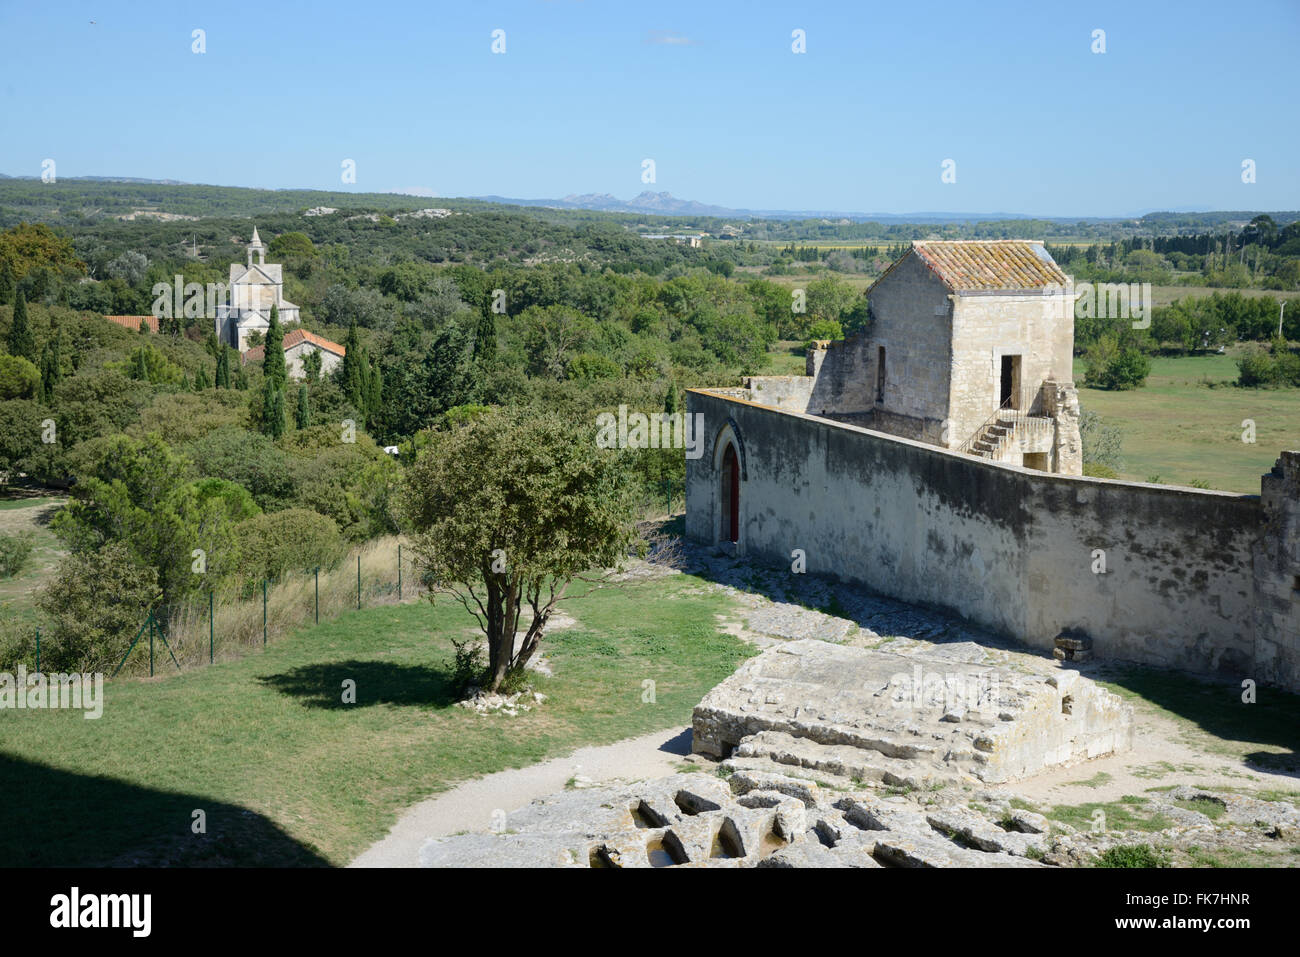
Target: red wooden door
{"x":731,"y":496}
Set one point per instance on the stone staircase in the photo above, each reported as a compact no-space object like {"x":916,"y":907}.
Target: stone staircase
{"x":999,"y":434}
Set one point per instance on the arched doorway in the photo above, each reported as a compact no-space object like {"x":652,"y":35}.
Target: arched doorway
{"x":730,"y":495}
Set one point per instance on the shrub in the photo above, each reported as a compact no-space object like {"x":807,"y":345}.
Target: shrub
{"x":1279,"y":367}
{"x":93,"y":607}
{"x":468,"y":666}
{"x":1255,"y":369}
{"x":1096,"y":470}
{"x":1101,"y":443}
{"x":1132,"y":855}
{"x":14,"y":552}
{"x":294,"y":539}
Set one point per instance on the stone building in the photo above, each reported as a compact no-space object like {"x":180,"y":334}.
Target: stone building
{"x":254,"y":289}
{"x":970,"y":347}
{"x":298,"y":344}
{"x":935,"y":459}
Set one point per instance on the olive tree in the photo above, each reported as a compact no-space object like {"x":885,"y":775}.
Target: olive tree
{"x":510,"y":510}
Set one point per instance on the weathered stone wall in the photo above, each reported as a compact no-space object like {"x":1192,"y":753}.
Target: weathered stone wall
{"x":1155,"y":574}
{"x":912,"y":322}
{"x":1277,"y":572}
{"x":783,"y":391}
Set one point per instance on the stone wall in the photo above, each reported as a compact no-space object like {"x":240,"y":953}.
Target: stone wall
{"x":783,"y":391}
{"x":912,"y":322}
{"x":1155,"y":574}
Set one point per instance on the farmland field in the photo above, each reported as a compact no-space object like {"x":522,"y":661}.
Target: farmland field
{"x":1185,"y":424}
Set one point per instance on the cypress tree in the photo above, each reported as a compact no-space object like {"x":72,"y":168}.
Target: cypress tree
{"x":51,"y":369}
{"x":272,"y":409}
{"x":141,"y":365}
{"x":485,"y":338}
{"x":671,"y":400}
{"x":302,"y":416}
{"x":374,"y":395}
{"x":223,"y":368}
{"x":21,"y":341}
{"x":353,"y":371}
{"x":201,"y":379}
{"x":273,"y":363}
{"x":6,"y":280}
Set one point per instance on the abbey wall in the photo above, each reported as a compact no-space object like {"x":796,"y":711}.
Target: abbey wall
{"x":1198,"y":580}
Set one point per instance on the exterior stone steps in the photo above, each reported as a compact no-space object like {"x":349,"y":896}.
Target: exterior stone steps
{"x":852,"y":765}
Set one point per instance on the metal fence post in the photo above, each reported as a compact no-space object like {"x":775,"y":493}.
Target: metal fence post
{"x":358,"y":581}
{"x":38,"y":651}
{"x":399,"y":571}
{"x":151,"y":644}
{"x":318,"y":594}
{"x":212,"y":631}
{"x":263,"y":612}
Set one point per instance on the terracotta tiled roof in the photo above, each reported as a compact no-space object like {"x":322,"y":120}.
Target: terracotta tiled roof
{"x":295,"y":337}
{"x":973,"y":265}
{"x":133,"y":322}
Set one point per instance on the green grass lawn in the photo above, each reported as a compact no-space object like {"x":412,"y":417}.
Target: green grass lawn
{"x":1181,"y":429}
{"x":288,"y":775}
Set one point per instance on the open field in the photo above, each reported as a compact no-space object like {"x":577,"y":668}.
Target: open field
{"x":19,"y":515}
{"x":1161,"y":295}
{"x":287,"y":774}
{"x":1181,"y":429}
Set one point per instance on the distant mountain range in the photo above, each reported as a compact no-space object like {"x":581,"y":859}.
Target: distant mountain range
{"x":666,"y":204}
{"x":650,"y":203}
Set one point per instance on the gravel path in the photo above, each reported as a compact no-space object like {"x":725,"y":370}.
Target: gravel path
{"x":472,"y":805}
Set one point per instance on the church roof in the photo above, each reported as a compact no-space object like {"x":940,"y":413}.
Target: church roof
{"x":976,"y":265}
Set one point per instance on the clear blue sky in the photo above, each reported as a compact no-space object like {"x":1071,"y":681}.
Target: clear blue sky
{"x":710,"y":90}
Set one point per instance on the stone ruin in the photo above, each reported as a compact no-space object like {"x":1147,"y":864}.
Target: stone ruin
{"x":823,"y":752}
{"x":870,"y":716}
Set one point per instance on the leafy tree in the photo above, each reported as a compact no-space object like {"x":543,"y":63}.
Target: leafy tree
{"x":510,"y":510}
{"x":201,"y":381}
{"x":249,"y":459}
{"x":1115,"y":366}
{"x":32,"y":246}
{"x":19,"y":379}
{"x":291,"y":245}
{"x":133,"y":491}
{"x":311,"y":365}
{"x":21,"y":341}
{"x":20,"y":436}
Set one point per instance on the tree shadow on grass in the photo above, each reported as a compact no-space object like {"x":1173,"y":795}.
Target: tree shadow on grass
{"x":377,"y":682}
{"x":1217,"y":709}
{"x":55,"y":818}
